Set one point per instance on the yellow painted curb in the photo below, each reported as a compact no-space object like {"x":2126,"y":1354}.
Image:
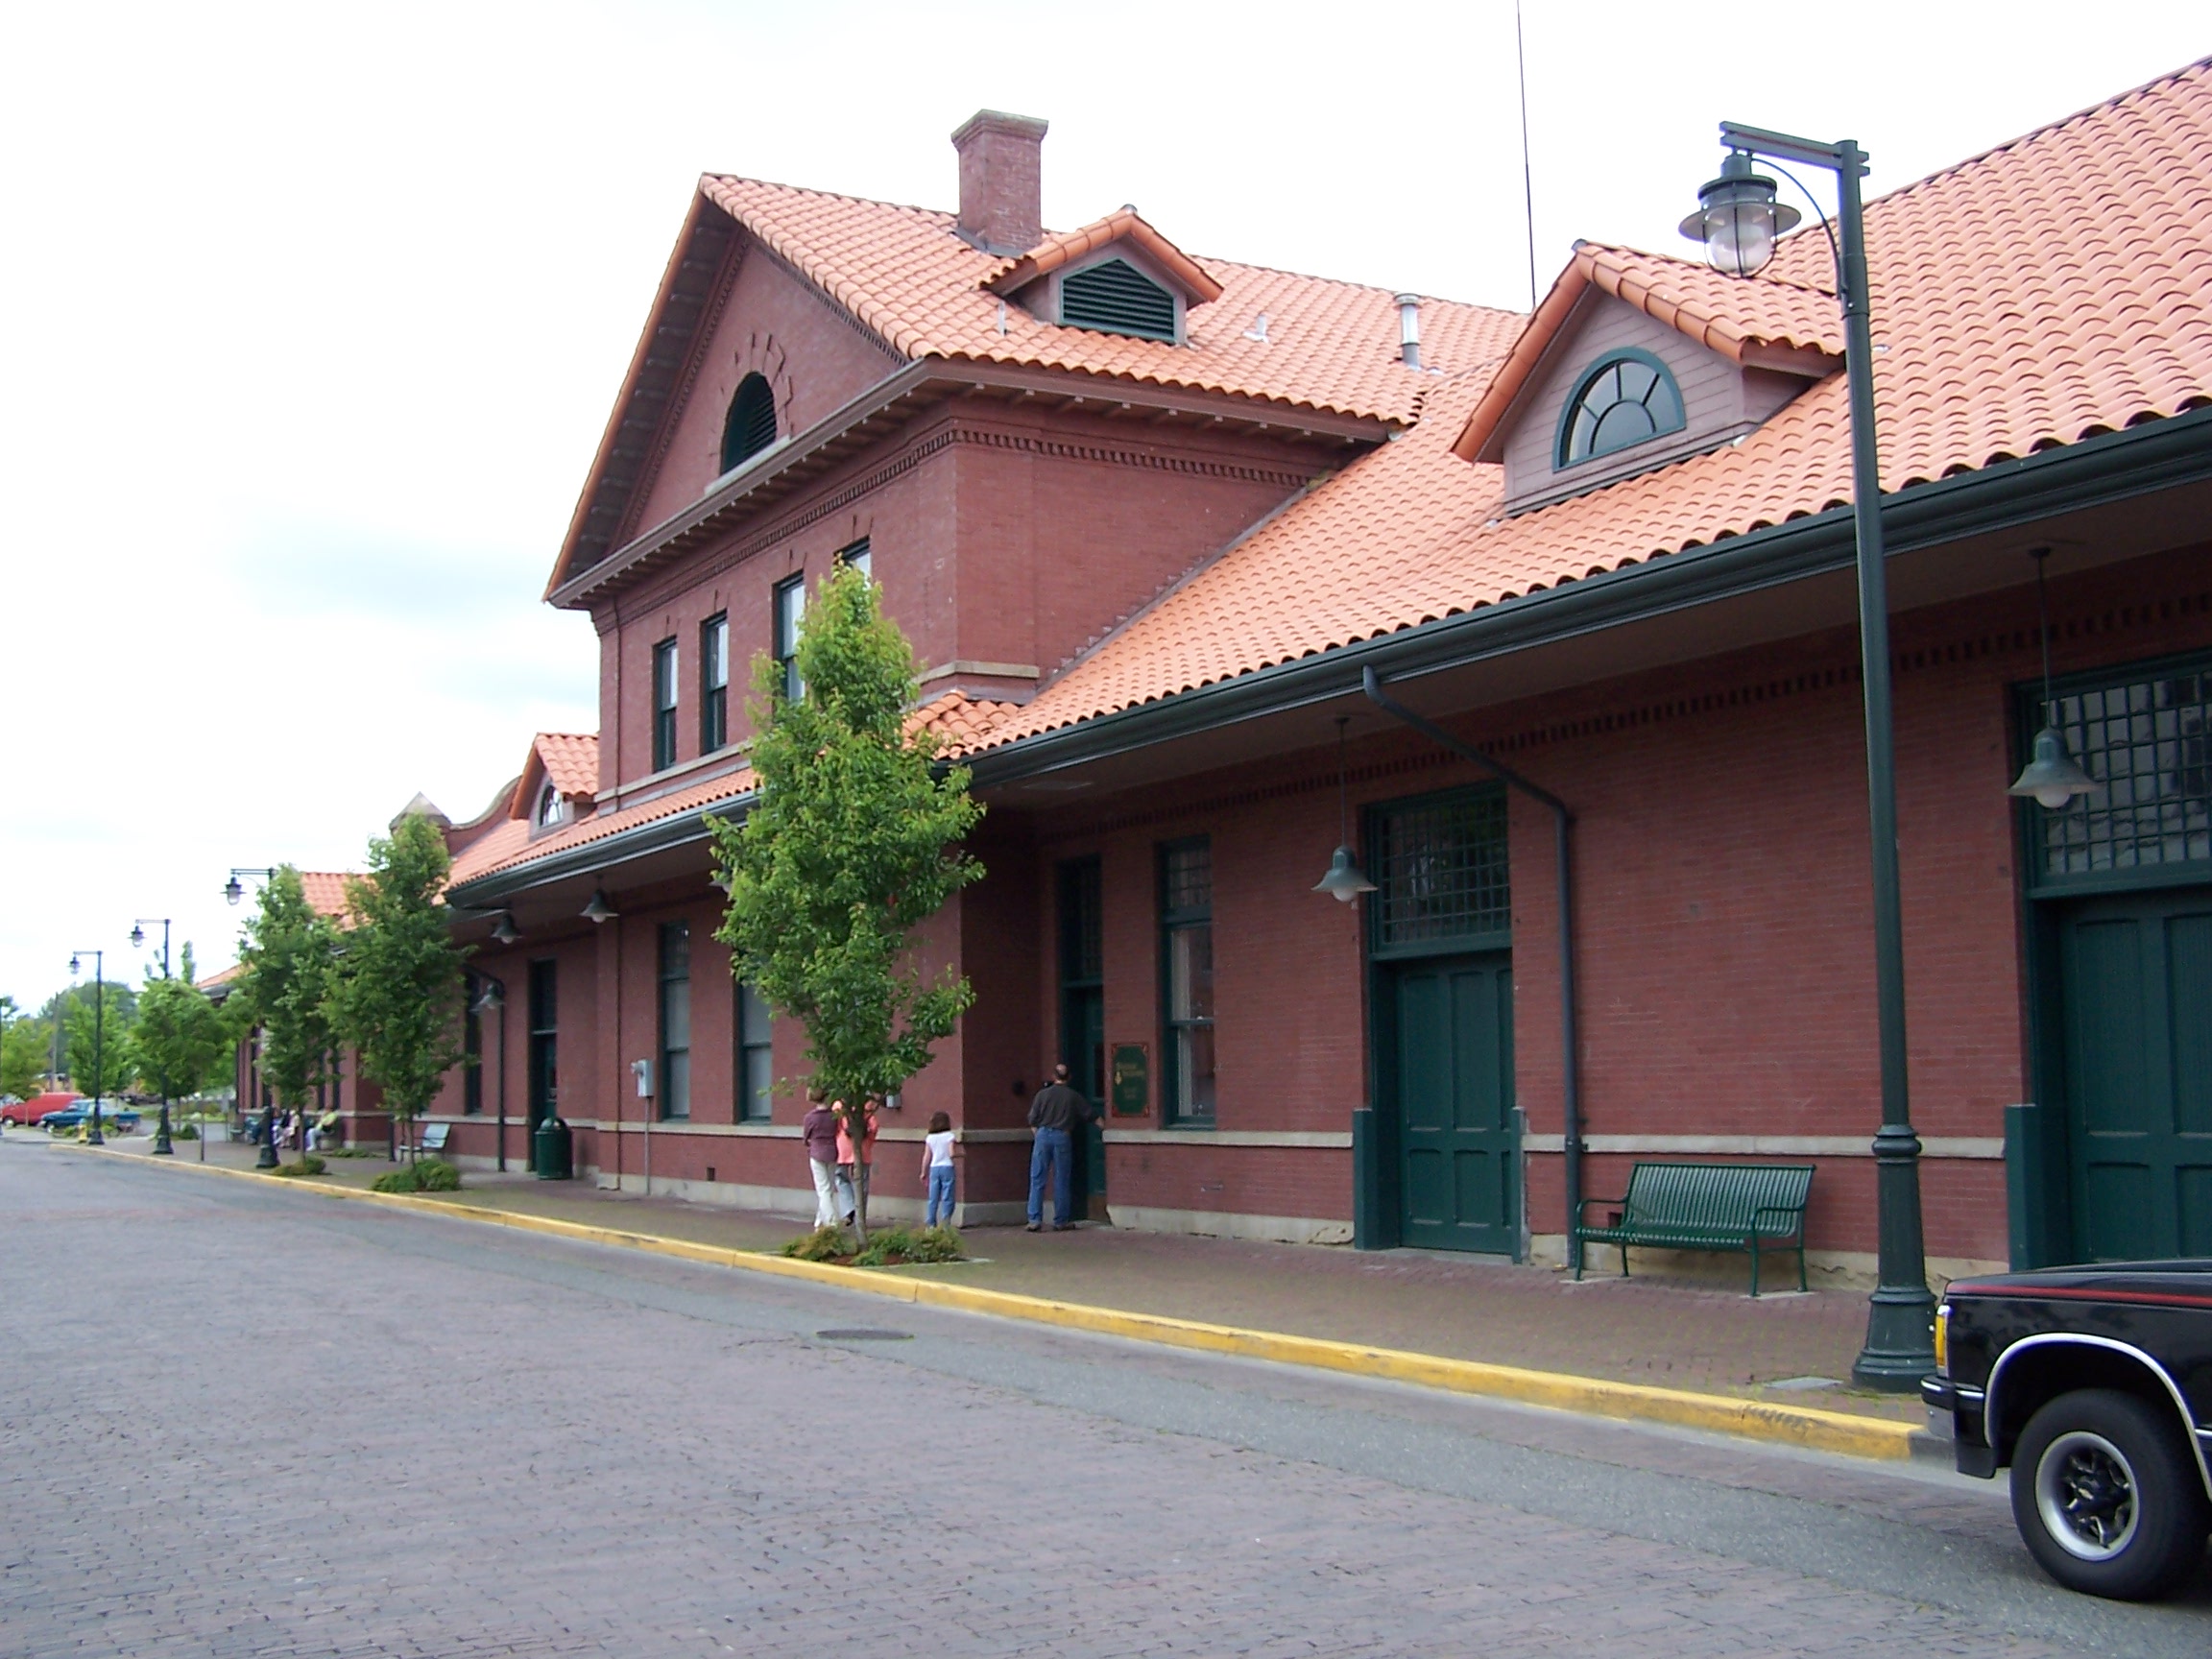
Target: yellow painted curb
{"x":1801,"y":1426}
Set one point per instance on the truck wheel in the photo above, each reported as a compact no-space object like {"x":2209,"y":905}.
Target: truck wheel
{"x":2108,"y":1496}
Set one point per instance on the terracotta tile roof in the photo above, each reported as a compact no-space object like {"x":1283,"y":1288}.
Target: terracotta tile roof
{"x":2054,"y":288}
{"x":325,"y":891}
{"x":1124,"y":222}
{"x":904,"y":275}
{"x":959,"y":720}
{"x":569,"y":761}
{"x":1731,"y":315}
{"x":511,"y":845}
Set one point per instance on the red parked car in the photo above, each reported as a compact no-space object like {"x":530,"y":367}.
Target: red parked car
{"x":28,"y":1111}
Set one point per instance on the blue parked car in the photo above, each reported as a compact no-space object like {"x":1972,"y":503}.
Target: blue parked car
{"x":121,"y":1118}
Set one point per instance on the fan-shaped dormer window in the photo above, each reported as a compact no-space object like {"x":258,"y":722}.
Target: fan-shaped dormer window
{"x":751,"y":424}
{"x":1621,"y":399}
{"x":551,"y":809}
{"x":1116,"y":298}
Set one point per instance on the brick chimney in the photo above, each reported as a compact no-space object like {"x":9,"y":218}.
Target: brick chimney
{"x":1002,"y":191}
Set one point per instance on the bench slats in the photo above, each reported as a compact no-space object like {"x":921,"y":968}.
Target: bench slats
{"x":1705,"y":1207}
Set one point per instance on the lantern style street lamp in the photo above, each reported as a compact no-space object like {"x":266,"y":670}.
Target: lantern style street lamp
{"x":99,"y":1033}
{"x":233,"y":891}
{"x":162,"y":1147}
{"x":1737,"y":220}
{"x":1345,"y":880}
{"x":2052,"y":776}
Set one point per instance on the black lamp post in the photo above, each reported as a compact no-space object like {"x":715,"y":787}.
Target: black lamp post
{"x":234,"y":890}
{"x":99,"y":1033}
{"x":1737,"y":220}
{"x":161,"y":1145}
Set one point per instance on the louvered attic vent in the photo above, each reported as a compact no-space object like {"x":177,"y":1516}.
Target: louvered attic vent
{"x":1115,"y":296}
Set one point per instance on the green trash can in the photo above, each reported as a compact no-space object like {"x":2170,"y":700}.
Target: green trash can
{"x":556,"y":1148}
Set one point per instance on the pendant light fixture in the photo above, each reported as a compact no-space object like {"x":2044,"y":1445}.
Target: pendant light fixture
{"x":2051,"y":775}
{"x":597,"y":909}
{"x":1345,"y":881}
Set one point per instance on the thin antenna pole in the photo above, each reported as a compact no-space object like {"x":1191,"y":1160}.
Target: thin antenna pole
{"x":1527,"y":180}
{"x":2043,"y":631}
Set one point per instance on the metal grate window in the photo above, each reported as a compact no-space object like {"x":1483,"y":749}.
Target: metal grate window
{"x":2147,"y":743}
{"x":1441,"y":870}
{"x":1187,"y":869}
{"x":1116,"y":298}
{"x":749,"y":426}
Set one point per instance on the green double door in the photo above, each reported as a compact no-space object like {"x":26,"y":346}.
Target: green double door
{"x":2137,"y":986}
{"x":1452,"y":1077}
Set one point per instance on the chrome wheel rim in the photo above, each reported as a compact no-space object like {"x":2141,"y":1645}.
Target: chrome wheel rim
{"x":2086,"y":1494}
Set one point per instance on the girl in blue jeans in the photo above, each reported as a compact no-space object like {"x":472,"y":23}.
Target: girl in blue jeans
{"x":937,"y":1168}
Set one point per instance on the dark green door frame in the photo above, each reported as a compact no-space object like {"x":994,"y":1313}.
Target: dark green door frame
{"x":2043,"y":1228}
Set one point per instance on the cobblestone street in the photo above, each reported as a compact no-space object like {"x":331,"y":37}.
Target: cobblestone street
{"x":239,"y":1421}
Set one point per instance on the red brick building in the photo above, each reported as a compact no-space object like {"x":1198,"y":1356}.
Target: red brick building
{"x":1156,"y":523}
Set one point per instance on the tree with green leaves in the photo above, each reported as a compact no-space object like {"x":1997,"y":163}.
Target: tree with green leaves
{"x":289,"y":962}
{"x":400,"y":986}
{"x":856,"y":838}
{"x":182,"y":1038}
{"x":26,"y":1049}
{"x":101,"y":1061}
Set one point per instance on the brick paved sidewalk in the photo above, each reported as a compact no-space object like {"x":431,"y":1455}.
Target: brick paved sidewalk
{"x":1464,"y":1308}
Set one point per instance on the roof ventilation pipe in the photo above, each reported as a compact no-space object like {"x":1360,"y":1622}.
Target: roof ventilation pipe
{"x":1409,"y":331}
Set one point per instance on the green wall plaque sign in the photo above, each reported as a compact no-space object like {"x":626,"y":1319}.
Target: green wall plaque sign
{"x":1132,"y":1083}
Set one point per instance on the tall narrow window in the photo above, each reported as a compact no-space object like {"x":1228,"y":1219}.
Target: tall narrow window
{"x":664,"y":704}
{"x":676,"y":1020}
{"x":713,"y":684}
{"x":1083,"y":977}
{"x":544,"y":1077}
{"x":790,"y":605}
{"x":858,"y":556}
{"x":756,"y":1061}
{"x":1187,"y":953}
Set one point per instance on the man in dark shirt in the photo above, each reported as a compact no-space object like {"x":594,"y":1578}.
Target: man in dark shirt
{"x":1057,"y":1114}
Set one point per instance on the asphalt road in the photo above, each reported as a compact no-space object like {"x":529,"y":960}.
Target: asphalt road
{"x":234,"y":1421}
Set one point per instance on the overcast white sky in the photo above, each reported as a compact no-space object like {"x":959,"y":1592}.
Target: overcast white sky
{"x":310,"y":316}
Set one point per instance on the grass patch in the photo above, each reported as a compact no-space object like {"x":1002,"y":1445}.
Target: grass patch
{"x":352,"y":1152}
{"x":308,"y":1164}
{"x":891,"y":1247}
{"x":423,"y":1175}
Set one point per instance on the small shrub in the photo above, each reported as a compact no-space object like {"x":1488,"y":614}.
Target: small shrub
{"x":423,"y":1175}
{"x":351,"y":1152}
{"x":823,"y":1244}
{"x":896,"y":1246}
{"x":308,"y":1164}
{"x":186,"y":1132}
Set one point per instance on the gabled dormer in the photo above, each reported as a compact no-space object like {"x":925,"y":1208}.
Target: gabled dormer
{"x":1634,"y":361}
{"x":1118,"y":276}
{"x":560,"y":781}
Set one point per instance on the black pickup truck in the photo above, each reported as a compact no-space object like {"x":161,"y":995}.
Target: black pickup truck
{"x":2094,"y":1385}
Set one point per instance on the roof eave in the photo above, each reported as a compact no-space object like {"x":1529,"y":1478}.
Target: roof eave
{"x":2092,"y":473}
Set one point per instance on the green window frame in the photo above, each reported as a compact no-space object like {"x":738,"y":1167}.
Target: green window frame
{"x":2143,"y":732}
{"x":664,"y":704}
{"x":1442,"y":871}
{"x":675,"y":964}
{"x":1115,"y":298}
{"x":1189,"y":1082}
{"x":755,"y":1056}
{"x":1628,"y":397}
{"x":714,"y":683}
{"x":790,"y":605}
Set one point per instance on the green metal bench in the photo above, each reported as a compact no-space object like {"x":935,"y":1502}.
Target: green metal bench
{"x":1704,"y":1207}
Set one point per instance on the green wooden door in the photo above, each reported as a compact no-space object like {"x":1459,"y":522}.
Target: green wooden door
{"x":1459,"y":1165}
{"x":2137,"y":977}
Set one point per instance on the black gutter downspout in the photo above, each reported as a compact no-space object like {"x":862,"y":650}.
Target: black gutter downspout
{"x":1563,"y":823}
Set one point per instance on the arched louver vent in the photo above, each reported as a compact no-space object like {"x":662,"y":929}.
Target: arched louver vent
{"x":1118,"y":298}
{"x":751,"y":426}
